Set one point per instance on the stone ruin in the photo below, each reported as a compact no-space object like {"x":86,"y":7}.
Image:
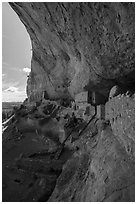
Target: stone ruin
{"x":91,"y":103}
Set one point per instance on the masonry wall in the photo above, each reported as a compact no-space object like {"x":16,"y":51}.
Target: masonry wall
{"x":82,"y":97}
{"x":100,"y":111}
{"x":120,"y":110}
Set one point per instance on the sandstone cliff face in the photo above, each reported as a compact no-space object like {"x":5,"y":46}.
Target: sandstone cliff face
{"x":94,"y":166}
{"x":103,"y":168}
{"x":101,"y":171}
{"x":78,"y":45}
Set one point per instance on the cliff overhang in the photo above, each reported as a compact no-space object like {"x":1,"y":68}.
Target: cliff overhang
{"x":78,"y":46}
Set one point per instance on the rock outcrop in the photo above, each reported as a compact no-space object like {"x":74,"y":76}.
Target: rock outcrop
{"x":101,"y":171}
{"x":95,"y":161}
{"x":78,"y":46}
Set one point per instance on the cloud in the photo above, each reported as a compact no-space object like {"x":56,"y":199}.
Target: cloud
{"x":27,"y":70}
{"x":5,"y":63}
{"x":6,"y":84}
{"x":8,"y":66}
{"x":11,"y":89}
{"x":13,"y":96}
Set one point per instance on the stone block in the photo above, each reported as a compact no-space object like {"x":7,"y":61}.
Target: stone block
{"x":81,"y":97}
{"x":101,"y":111}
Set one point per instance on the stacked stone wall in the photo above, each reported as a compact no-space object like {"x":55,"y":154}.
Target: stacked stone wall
{"x":120,"y":110}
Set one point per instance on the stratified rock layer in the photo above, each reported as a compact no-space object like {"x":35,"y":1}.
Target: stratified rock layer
{"x":78,"y":45}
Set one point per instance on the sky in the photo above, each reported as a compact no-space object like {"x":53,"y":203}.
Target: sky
{"x":16,"y":56}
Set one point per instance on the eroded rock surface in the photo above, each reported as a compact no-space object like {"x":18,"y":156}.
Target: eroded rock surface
{"x":96,"y":165}
{"x":101,"y":171}
{"x":78,"y":45}
{"x":30,"y":167}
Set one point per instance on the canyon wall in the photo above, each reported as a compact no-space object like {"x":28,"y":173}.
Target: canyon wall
{"x":75,"y":47}
{"x":78,"y":46}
